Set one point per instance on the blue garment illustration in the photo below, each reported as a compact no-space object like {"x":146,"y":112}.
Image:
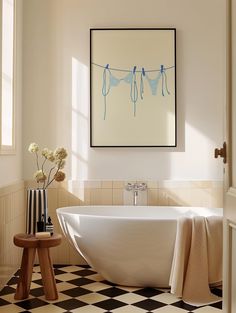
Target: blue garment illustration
{"x":132,"y":77}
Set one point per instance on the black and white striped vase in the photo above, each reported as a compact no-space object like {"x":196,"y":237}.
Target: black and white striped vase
{"x":36,"y":211}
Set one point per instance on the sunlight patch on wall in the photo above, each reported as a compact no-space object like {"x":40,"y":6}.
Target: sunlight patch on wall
{"x":80,"y":120}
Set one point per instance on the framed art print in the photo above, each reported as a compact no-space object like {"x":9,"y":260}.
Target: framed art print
{"x":133,"y":87}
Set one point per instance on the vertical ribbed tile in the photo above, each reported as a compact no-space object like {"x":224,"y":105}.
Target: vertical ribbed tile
{"x":73,"y":200}
{"x":106,"y":196}
{"x":2,"y":211}
{"x":128,"y":197}
{"x":117,"y":197}
{"x":93,"y":184}
{"x":163,"y":197}
{"x":87,"y":196}
{"x":2,"y":233}
{"x":216,"y":198}
{"x":75,"y":257}
{"x":152,"y":184}
{"x":118,"y":184}
{"x":52,"y":199}
{"x":95,"y":196}
{"x":106,"y":184}
{"x":9,"y":214}
{"x":60,"y":254}
{"x":62,"y":198}
{"x":152,"y":196}
{"x":12,"y":221}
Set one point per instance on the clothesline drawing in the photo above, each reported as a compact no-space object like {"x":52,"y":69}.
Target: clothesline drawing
{"x":131,"y":76}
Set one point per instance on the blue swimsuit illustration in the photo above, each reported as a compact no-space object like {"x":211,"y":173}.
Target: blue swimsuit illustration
{"x":109,"y":81}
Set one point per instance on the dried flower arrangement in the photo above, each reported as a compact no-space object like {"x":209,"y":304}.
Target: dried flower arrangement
{"x":57,"y":158}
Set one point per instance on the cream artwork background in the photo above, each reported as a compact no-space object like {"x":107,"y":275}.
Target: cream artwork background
{"x":153,"y":123}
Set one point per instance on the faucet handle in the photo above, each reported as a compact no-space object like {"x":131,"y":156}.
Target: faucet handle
{"x":142,"y":186}
{"x":129,"y":186}
{"x":136,"y":186}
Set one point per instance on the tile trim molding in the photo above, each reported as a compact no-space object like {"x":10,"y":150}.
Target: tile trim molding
{"x":11,"y":188}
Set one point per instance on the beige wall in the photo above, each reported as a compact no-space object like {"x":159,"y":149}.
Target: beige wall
{"x":11,"y":165}
{"x":56,"y":86}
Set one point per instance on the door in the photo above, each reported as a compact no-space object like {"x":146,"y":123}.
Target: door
{"x":229,"y":273}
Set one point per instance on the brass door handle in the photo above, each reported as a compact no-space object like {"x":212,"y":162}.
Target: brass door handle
{"x":221,"y":152}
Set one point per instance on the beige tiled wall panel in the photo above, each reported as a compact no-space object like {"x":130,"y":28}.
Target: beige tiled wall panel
{"x":153,"y":196}
{"x":95,"y":196}
{"x":117,"y":196}
{"x":75,"y":257}
{"x":12,"y":221}
{"x":216,"y":197}
{"x":65,"y":253}
{"x":118,"y":184}
{"x":106,"y":196}
{"x":164,"y":193}
{"x":107,"y":184}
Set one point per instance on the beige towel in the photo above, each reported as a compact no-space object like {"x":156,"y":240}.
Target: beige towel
{"x":197,"y":260}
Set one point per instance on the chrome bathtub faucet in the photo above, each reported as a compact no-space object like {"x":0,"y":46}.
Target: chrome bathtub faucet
{"x":135,"y":188}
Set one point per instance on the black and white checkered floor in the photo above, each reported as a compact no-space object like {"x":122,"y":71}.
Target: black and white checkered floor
{"x":82,"y":290}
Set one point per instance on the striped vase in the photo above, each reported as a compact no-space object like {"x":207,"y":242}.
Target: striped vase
{"x":37,"y":207}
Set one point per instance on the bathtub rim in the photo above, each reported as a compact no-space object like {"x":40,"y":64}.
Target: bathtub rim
{"x":64,"y":211}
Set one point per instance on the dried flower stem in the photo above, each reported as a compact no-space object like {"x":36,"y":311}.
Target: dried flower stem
{"x":48,"y":178}
{"x":43,"y":171}
{"x":48,"y":183}
{"x":43,"y":164}
{"x":37,"y":160}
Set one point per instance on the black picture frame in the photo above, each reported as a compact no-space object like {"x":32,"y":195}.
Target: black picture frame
{"x":106,"y":39}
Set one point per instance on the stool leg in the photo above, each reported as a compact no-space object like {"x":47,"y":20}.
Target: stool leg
{"x":27,"y":263}
{"x":47,"y":273}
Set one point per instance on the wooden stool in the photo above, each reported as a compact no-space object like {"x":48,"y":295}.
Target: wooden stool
{"x":30,"y":244}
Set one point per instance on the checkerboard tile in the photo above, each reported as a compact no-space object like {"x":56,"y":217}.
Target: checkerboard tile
{"x":82,"y":290}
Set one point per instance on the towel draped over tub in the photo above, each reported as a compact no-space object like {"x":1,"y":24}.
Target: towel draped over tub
{"x":197,"y":260}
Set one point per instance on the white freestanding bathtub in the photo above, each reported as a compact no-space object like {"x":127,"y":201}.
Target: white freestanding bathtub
{"x":127,"y":245}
